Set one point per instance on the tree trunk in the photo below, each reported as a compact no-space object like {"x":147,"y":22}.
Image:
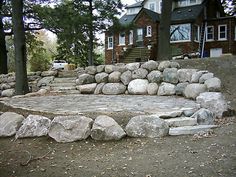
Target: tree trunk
{"x":164,"y":50}
{"x":91,"y":62}
{"x":20,"y":48}
{"x":3,"y":50}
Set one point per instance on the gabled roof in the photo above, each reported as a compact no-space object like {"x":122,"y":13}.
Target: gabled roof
{"x":188,"y":13}
{"x":127,"y":19}
{"x":153,"y":15}
{"x":137,"y":4}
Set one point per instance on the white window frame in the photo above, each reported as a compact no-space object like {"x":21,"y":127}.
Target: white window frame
{"x":154,"y":5}
{"x":219,"y":32}
{"x":187,"y":40}
{"x":212,"y":33}
{"x":149,"y":31}
{"x":187,"y":3}
{"x":160,"y":6}
{"x":131,"y":37}
{"x":108,"y":42}
{"x":198,"y":33}
{"x":122,"y":39}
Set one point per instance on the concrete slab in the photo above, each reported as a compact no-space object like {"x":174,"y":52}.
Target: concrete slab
{"x":181,"y":121}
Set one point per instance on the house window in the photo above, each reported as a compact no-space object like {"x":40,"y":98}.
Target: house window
{"x":182,"y":3}
{"x":160,"y":6}
{"x":210,"y":33}
{"x":122,"y":38}
{"x":196,"y":32}
{"x":110,"y":42}
{"x":149,"y":31}
{"x":131,"y":37}
{"x":180,"y":33}
{"x":152,"y":7}
{"x":222,"y":32}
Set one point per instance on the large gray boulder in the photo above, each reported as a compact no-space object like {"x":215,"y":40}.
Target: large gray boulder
{"x":8,"y":93}
{"x":139,"y":73}
{"x":174,"y":64}
{"x":155,"y":77}
{"x":170,"y":75}
{"x":138,"y":87}
{"x":214,"y":101}
{"x":91,"y":70}
{"x":213,"y":84}
{"x":152,"y":89}
{"x":196,"y":76}
{"x":126,"y":77}
{"x":205,"y":77}
{"x":114,"y":77}
{"x":193,"y":90}
{"x":113,"y":89}
{"x":109,"y":69}
{"x":10,"y":122}
{"x":150,"y":65}
{"x":180,"y":87}
{"x":132,"y":66}
{"x":204,"y":117}
{"x":85,"y":79}
{"x":45,"y":81}
{"x":4,"y":86}
{"x":34,"y":126}
{"x":163,"y":65}
{"x":106,"y":128}
{"x":100,"y":68}
{"x":98,"y":89}
{"x":101,"y":77}
{"x":119,"y":67}
{"x":70,"y":128}
{"x":166,"y":89}
{"x":147,"y":126}
{"x":87,"y":88}
{"x":185,"y":75}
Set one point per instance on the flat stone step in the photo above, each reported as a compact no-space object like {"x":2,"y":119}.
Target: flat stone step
{"x":190,"y":130}
{"x":63,"y":88}
{"x":66,"y":91}
{"x":64,"y":80}
{"x":181,"y":121}
{"x":168,"y":114}
{"x":61,"y":84}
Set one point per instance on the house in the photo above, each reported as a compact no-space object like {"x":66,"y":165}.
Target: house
{"x":198,"y":26}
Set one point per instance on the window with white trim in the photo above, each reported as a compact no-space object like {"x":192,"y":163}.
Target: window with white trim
{"x":180,"y":33}
{"x":110,"y":42}
{"x":149,"y":31}
{"x":182,"y":3}
{"x":210,"y":33}
{"x":131,"y":37}
{"x":160,"y":6}
{"x":222,"y":32}
{"x":122,"y":38}
{"x":152,"y":6}
{"x":196,"y":30}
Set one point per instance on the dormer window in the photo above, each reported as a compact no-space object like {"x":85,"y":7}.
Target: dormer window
{"x":152,"y":6}
{"x":183,"y":3}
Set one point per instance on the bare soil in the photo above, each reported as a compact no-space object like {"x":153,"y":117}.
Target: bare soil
{"x":206,"y":155}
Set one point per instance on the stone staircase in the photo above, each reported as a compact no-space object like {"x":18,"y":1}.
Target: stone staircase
{"x":134,"y":53}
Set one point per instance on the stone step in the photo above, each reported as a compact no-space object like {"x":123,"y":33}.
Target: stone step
{"x":64,"y":80}
{"x":62,"y":84}
{"x":66,"y":91}
{"x":190,"y":130}
{"x":63,"y":88}
{"x":181,"y":121}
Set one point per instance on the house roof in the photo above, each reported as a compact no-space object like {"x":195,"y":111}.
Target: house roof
{"x":153,"y":15}
{"x":137,"y":4}
{"x":188,"y":13}
{"x":127,"y":19}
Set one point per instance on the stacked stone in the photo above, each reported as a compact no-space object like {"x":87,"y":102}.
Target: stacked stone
{"x":152,"y":78}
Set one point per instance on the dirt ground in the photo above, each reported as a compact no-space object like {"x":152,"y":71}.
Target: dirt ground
{"x":207,"y":155}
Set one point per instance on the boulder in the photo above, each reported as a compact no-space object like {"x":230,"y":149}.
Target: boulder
{"x":138,"y":86}
{"x":8,"y":93}
{"x":106,"y":128}
{"x":91,"y":70}
{"x":49,"y":73}
{"x":155,"y":77}
{"x":85,"y":79}
{"x":213,"y":84}
{"x":152,"y":89}
{"x":169,"y":114}
{"x":139,"y":73}
{"x":181,"y":121}
{"x":10,"y":122}
{"x":195,"y":77}
{"x":101,"y":77}
{"x":150,"y":65}
{"x":214,"y":101}
{"x":193,"y":90}
{"x":185,"y":75}
{"x":170,"y":75}
{"x":80,"y":71}
{"x":98,"y":89}
{"x":34,"y":126}
{"x":163,"y":65}
{"x":113,"y":89}
{"x":109,"y":69}
{"x":180,"y":87}
{"x":114,"y":77}
{"x":204,"y":117}
{"x":120,"y":67}
{"x":5,"y":86}
{"x":174,"y":64}
{"x":100,"y":68}
{"x":45,"y":81}
{"x":132,"y":66}
{"x":205,"y":77}
{"x":147,"y":126}
{"x":70,"y":128}
{"x":126,"y":77}
{"x":87,"y":88}
{"x":166,"y":89}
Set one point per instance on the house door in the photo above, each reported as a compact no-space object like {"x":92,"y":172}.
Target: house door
{"x":139,"y":38}
{"x":216,"y":52}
